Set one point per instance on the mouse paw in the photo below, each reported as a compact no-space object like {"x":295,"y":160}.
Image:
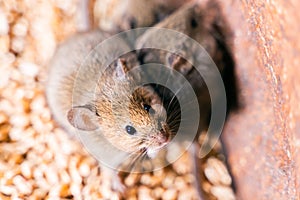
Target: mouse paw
{"x":118,"y":186}
{"x":112,"y":181}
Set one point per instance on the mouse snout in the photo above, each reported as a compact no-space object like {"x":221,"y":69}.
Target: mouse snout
{"x":161,"y":138}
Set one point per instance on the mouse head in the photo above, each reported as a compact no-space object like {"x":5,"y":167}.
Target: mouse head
{"x":131,"y":118}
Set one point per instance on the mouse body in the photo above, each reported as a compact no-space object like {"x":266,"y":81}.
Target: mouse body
{"x":121,"y":15}
{"x":104,"y":101}
{"x":190,"y":20}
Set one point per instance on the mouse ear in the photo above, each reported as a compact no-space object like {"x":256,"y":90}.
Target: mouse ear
{"x":121,"y":68}
{"x":83,"y":118}
{"x":178,"y":63}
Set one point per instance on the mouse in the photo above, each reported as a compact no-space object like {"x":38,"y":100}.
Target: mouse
{"x":192,"y":20}
{"x":110,"y":105}
{"x":121,"y":15}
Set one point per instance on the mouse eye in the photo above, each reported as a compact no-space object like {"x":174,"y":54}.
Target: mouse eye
{"x":148,"y":108}
{"x":130,"y":130}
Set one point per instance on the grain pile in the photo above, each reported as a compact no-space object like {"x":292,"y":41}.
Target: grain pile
{"x":37,"y":158}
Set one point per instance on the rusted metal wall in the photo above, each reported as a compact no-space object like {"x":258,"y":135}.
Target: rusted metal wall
{"x":262,"y":139}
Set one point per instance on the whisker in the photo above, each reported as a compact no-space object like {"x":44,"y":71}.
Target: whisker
{"x":175,"y":95}
{"x":175,"y":123}
{"x":174,"y":113}
{"x":133,"y":161}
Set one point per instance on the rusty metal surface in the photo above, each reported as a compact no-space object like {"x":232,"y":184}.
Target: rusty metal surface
{"x":262,"y":138}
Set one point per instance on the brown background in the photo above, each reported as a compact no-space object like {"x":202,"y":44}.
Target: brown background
{"x":263,"y":138}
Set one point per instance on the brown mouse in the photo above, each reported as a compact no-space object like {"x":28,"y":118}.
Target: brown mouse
{"x":108,"y":107}
{"x":128,"y":116}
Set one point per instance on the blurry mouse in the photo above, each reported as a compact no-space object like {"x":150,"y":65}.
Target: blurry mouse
{"x":203,"y":23}
{"x":121,"y":15}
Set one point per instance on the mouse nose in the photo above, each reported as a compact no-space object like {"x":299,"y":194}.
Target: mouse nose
{"x":164,"y":136}
{"x":160,"y":138}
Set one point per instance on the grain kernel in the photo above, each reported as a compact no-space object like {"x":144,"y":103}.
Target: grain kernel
{"x":18,"y":44}
{"x":216,"y":172}
{"x":169,"y":194}
{"x":4,"y":27}
{"x":223,"y":192}
{"x":20,"y":28}
{"x":22,"y":185}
